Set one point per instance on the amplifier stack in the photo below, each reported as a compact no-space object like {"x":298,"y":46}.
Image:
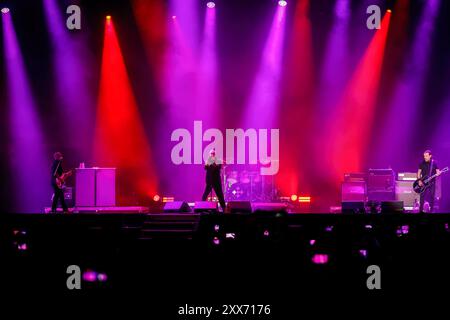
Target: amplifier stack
{"x":404,"y":190}
{"x":381,"y":185}
{"x":354,"y":188}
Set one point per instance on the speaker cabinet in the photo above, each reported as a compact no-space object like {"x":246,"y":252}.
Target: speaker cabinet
{"x":381,"y":185}
{"x":392,"y":207}
{"x":205,"y":206}
{"x":404,"y":192}
{"x":239,"y":207}
{"x":353,"y":207}
{"x":354,"y":191}
{"x":177,"y":207}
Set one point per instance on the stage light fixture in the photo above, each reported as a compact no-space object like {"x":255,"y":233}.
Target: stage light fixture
{"x":305,"y":199}
{"x":108,"y":17}
{"x":389,"y":10}
{"x":156,"y":198}
{"x":294,"y":197}
{"x":5,"y":10}
{"x":168,"y":199}
{"x":282,"y":3}
{"x":211,"y":4}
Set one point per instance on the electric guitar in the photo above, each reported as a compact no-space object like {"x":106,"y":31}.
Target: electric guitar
{"x":61,"y":180}
{"x":426,"y":182}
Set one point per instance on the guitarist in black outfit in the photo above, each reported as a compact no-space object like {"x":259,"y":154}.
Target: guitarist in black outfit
{"x":427,"y":168}
{"x":57,"y":171}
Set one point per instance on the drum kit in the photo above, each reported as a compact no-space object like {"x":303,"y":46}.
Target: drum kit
{"x":243,"y":183}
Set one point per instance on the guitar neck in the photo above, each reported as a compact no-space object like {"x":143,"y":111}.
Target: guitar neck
{"x":435,"y":175}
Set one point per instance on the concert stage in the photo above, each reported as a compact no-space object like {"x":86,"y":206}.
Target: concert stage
{"x":101,"y":210}
{"x":320,"y":127}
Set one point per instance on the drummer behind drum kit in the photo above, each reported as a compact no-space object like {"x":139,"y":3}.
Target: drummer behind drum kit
{"x":245,"y":183}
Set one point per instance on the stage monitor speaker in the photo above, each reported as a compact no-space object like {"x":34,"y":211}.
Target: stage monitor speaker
{"x":392,"y":207}
{"x":205,"y":206}
{"x":239,"y":207}
{"x":177,"y":207}
{"x":278,"y":207}
{"x":353,"y":207}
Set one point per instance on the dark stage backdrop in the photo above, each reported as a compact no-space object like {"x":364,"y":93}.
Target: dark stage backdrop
{"x":151,"y":90}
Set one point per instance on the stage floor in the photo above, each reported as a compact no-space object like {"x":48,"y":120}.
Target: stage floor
{"x":115,"y":209}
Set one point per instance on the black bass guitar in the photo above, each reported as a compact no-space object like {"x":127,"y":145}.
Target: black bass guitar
{"x":426,"y":181}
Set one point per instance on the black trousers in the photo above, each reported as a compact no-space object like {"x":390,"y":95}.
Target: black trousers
{"x":217,"y":186}
{"x":427,"y":195}
{"x":58,"y":195}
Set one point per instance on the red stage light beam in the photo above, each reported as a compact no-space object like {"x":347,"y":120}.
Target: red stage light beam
{"x":350,"y":133}
{"x":120,"y":139}
{"x":297,"y":104}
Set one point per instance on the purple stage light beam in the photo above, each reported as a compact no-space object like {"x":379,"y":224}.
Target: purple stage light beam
{"x":207,"y":89}
{"x":182,"y":70}
{"x":181,"y":88}
{"x":396,"y":142}
{"x":180,"y":76}
{"x":441,"y":137}
{"x":186,"y":12}
{"x":29,"y":164}
{"x":71,"y":71}
{"x":335,"y":70}
{"x":264,"y":98}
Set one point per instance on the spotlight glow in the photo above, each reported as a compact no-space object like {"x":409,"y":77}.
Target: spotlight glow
{"x":102,"y":277}
{"x":156,"y":198}
{"x":5,"y":10}
{"x":320,"y":258}
{"x":306,"y":199}
{"x":90,"y":276}
{"x":108,"y":17}
{"x":282,"y":3}
{"x":117,"y":112}
{"x":174,"y":17}
{"x":294,"y":197}
{"x":211,"y":4}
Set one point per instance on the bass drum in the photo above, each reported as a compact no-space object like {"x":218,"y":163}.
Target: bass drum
{"x":238,"y":192}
